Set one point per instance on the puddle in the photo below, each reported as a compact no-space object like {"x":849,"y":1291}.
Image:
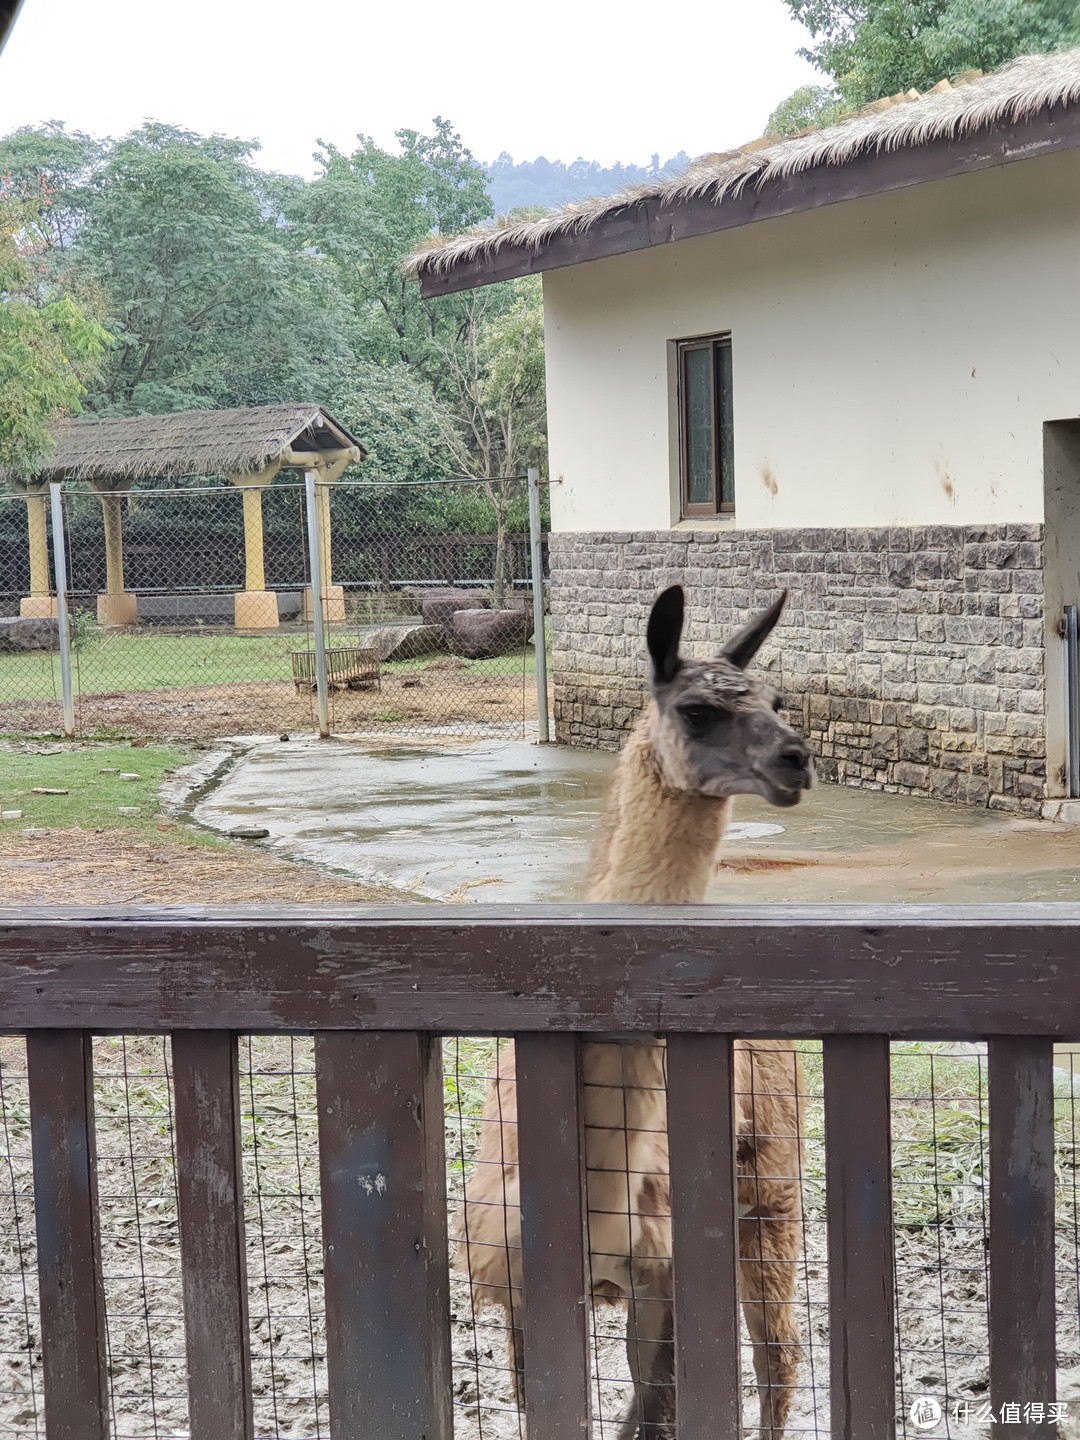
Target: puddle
{"x":515,"y":822}
{"x":749,"y":830}
{"x":508,"y":822}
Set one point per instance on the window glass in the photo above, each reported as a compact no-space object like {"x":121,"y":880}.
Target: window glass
{"x":698,"y":380}
{"x":727,"y":433}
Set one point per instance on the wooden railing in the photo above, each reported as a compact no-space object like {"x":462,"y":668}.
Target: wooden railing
{"x":377,"y":987}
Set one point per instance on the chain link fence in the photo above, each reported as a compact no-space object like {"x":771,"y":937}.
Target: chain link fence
{"x":191,"y":610}
{"x":940,"y":1131}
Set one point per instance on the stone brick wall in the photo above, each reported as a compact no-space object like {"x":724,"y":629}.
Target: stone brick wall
{"x":912,"y":658}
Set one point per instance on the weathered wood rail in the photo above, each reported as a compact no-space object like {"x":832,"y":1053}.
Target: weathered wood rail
{"x":379,"y":986}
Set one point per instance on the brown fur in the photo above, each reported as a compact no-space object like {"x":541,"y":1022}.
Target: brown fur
{"x":657,"y":845}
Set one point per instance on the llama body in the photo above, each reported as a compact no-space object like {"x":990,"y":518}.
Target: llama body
{"x":667,"y":811}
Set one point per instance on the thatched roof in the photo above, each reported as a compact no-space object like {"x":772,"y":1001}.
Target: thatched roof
{"x":1033,"y":89}
{"x":191,"y":442}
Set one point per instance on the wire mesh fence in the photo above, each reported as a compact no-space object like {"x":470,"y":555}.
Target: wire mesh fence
{"x":940,"y":1155}
{"x":192,"y":610}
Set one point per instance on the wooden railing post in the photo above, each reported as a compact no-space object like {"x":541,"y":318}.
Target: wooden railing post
{"x":1023,"y":1346}
{"x":705,"y":1234}
{"x":858,"y":1203}
{"x":382,"y":1162}
{"x":72,"y":1296}
{"x":209,"y":1176}
{"x":553,"y":1244}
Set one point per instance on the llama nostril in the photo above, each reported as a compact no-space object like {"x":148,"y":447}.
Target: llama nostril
{"x":795,"y":758}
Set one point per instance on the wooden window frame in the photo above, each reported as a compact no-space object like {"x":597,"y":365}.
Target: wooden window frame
{"x":716,"y":507}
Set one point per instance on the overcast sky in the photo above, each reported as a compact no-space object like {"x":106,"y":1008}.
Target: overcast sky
{"x":607,"y":81}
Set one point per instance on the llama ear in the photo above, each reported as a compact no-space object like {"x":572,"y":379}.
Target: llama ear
{"x":663,"y":635}
{"x":742,"y":648}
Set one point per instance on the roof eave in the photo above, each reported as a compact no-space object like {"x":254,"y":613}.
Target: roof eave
{"x":646,"y":223}
{"x":345,"y":440}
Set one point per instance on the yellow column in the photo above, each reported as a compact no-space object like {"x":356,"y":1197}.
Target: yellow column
{"x":255,"y":571}
{"x":116,"y":606}
{"x":256,"y":608}
{"x":40,"y":602}
{"x":114,"y":544}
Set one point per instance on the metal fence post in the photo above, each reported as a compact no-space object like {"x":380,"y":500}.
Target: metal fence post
{"x":60,"y":574}
{"x":539,"y":631}
{"x":318,"y":628}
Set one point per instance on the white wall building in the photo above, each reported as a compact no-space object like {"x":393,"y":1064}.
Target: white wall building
{"x":848,"y":363}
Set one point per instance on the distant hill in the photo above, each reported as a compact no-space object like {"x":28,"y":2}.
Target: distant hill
{"x":549,"y":183}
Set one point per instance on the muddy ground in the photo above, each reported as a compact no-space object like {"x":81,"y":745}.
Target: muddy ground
{"x":441,"y":693}
{"x":941,"y":1277}
{"x":941,"y":1264}
{"x":109,"y":867}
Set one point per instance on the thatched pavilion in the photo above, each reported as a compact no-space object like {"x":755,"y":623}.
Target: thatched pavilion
{"x":249,"y":446}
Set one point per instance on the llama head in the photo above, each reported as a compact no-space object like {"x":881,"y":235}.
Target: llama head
{"x":718,"y":730}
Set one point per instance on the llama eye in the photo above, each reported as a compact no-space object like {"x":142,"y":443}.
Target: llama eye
{"x":779,"y":703}
{"x":697,"y":716}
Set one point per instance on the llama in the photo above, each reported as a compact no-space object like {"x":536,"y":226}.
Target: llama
{"x":711,"y":733}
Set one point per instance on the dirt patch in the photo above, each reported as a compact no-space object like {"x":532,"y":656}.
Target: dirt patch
{"x":759,"y":864}
{"x":449,"y":697}
{"x":941,"y":1262}
{"x":107,"y":867}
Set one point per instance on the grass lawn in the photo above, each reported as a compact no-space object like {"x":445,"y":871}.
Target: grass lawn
{"x":90,"y":774}
{"x":150,"y":660}
{"x":78,"y":849}
{"x":940,"y":1130}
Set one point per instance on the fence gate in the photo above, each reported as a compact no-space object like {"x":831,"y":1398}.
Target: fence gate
{"x":192,"y":612}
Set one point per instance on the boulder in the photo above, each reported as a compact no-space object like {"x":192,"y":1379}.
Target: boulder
{"x":29,"y":632}
{"x":440,"y":609}
{"x":479,"y":634}
{"x":415,"y":595}
{"x":407,"y":642}
{"x":523,"y":600}
{"x":521,"y":604}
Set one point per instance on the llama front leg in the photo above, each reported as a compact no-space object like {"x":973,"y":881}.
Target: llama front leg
{"x":769,"y":1247}
{"x":650,"y":1350}
{"x":487,"y":1226}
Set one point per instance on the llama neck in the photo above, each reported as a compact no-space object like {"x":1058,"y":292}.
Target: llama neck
{"x":657,"y":845}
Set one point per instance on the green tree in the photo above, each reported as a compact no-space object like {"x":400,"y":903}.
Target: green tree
{"x":214,"y":305}
{"x":396,"y":416}
{"x":496,"y":397}
{"x":810,"y":105}
{"x":480,"y":354}
{"x":367,"y":211}
{"x":49,"y":343}
{"x":57,"y":166}
{"x":224,"y":285}
{"x":871,"y":48}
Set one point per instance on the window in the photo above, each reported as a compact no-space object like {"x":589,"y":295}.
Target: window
{"x":706,"y":442}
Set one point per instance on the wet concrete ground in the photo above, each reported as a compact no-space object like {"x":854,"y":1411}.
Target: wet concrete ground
{"x":514,"y":822}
